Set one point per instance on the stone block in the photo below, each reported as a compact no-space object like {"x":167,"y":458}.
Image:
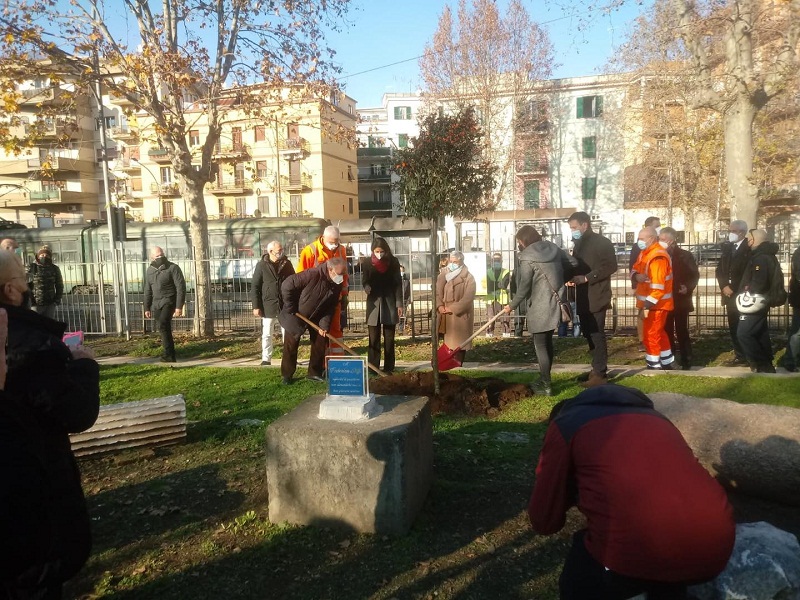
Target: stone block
{"x":369,"y":476}
{"x":750,"y":448}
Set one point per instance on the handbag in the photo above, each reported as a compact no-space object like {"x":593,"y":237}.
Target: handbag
{"x":565,"y":308}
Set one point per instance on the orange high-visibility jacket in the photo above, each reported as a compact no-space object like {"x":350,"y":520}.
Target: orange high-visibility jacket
{"x":657,"y":265}
{"x":317,"y":253}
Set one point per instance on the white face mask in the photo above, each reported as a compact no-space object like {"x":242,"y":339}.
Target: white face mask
{"x":733,"y":237}
{"x":664,"y":245}
{"x":379,"y":255}
{"x":333,"y":246}
{"x":337,"y":279}
{"x":642,"y":244}
{"x":658,"y":230}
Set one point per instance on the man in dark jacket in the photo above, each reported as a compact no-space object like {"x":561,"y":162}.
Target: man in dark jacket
{"x":753,"y":330}
{"x":607,"y":451}
{"x":55,"y":391}
{"x":46,"y":283}
{"x":164,"y":297}
{"x":730,"y":268}
{"x":685,"y":276}
{"x":791,"y":359}
{"x":597,"y":263}
{"x":313,"y":293}
{"x":271,"y":271}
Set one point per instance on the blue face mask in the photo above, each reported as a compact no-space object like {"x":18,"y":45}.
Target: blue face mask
{"x":453,"y":266}
{"x":642,"y":245}
{"x":576,"y":234}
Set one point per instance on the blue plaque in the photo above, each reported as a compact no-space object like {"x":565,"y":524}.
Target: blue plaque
{"x":347,"y":376}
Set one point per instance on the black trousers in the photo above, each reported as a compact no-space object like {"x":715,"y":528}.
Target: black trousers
{"x":519,"y":320}
{"x":789,"y":361}
{"x":543,"y":343}
{"x":593,"y":328}
{"x":753,"y":333}
{"x":374,"y":351}
{"x":733,"y":327}
{"x":583,"y":578}
{"x":678,"y":327}
{"x":163,"y":318}
{"x":291,"y":342}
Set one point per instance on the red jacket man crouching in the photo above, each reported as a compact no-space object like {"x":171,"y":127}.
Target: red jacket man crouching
{"x":657,"y":520}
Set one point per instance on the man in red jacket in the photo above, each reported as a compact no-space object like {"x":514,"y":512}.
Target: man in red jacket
{"x":656,"y":519}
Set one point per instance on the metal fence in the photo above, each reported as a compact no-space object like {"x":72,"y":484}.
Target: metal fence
{"x":90,"y":307}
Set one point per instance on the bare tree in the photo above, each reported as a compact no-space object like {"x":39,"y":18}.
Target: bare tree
{"x":491,"y":63}
{"x":242,"y":51}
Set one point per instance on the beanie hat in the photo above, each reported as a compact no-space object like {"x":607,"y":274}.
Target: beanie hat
{"x":44,"y":250}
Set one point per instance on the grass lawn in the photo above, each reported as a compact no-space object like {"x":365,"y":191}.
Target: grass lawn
{"x":190,"y":521}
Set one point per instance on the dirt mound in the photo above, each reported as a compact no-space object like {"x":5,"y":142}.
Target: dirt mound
{"x":458,"y":395}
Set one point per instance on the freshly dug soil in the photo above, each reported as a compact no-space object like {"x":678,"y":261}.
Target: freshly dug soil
{"x":458,"y":395}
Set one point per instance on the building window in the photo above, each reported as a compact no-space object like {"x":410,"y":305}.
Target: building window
{"x":296,"y":205}
{"x":350,"y":205}
{"x":531,"y":199}
{"x":590,"y":106}
{"x":350,"y":176}
{"x":261,"y":169}
{"x":402,"y":140}
{"x":263,"y":205}
{"x":241,"y":207}
{"x":590,"y":147}
{"x":194,"y":137}
{"x":589,"y":188}
{"x":531,"y":162}
{"x":371,"y":141}
{"x":110,"y":122}
{"x":402,"y":113}
{"x":261,"y":133}
{"x":167,"y":211}
{"x":166,"y":174}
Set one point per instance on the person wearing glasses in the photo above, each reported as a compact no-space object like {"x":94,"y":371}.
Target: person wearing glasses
{"x":271,"y":271}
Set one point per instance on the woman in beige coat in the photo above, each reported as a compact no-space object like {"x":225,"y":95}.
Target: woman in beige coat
{"x":455,"y":297}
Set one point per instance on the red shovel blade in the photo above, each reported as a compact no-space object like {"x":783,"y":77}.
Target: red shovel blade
{"x":447,"y":358}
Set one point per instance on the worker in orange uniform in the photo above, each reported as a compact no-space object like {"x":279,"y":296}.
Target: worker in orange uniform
{"x":317,"y":252}
{"x":652,"y":274}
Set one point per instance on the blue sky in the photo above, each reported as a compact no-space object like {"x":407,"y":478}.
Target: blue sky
{"x":383,"y":32}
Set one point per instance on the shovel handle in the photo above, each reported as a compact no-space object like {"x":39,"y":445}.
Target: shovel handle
{"x":338,"y":342}
{"x":483,"y":328}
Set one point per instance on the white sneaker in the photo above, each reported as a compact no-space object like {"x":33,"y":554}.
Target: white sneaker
{"x":506,"y":335}
{"x":489,"y":334}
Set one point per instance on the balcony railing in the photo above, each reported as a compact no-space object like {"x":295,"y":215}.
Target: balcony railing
{"x":165,"y":189}
{"x":370,"y":176}
{"x":292,"y":183}
{"x":231,"y":152}
{"x":237,"y":186}
{"x":123,"y":132}
{"x":294,"y":148}
{"x":158,"y":154}
{"x":50,"y":128}
{"x":537,"y":167}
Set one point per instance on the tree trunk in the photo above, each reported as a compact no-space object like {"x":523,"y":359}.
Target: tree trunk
{"x":198,"y":229}
{"x":434,"y":242}
{"x":739,"y":160}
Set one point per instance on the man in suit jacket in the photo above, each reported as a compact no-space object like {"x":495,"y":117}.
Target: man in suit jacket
{"x":735,"y":254}
{"x":685,"y":276}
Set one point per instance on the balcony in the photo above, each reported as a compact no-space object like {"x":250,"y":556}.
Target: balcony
{"x":374,"y":176}
{"x":49,"y":128}
{"x":127,"y":163}
{"x":122,"y":100}
{"x":57,"y":196}
{"x":234,"y":152}
{"x":60,"y":163}
{"x":238,"y":186}
{"x":533,"y":167}
{"x":165,"y":189}
{"x":384,"y":152}
{"x":301,"y":183}
{"x":123,"y":133}
{"x":45,"y":96}
{"x":294,"y":148}
{"x":158,"y":155}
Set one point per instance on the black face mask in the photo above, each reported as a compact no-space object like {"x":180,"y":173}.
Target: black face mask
{"x":160,"y":261}
{"x":45,"y":260}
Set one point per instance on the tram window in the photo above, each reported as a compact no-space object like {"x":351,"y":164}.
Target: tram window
{"x":68,"y":252}
{"x":177,"y":248}
{"x":217,"y":246}
{"x":244,"y":245}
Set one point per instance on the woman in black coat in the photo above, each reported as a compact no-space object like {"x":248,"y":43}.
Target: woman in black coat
{"x":384,"y":288}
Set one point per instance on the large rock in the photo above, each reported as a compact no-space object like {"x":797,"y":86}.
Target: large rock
{"x":765,"y":565}
{"x":751,"y":448}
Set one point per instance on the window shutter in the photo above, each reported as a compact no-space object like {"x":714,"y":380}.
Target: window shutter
{"x":598,"y":108}
{"x":397,"y":114}
{"x":580,"y":108}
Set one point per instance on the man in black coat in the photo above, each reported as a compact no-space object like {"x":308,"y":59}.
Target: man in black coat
{"x":597,"y":263}
{"x":313,"y":293}
{"x":685,"y":276}
{"x":54,"y":391}
{"x":735,"y":254}
{"x":271,"y":271}
{"x":164,"y":297}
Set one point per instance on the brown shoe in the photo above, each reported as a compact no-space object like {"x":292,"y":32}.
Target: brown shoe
{"x":595,"y":379}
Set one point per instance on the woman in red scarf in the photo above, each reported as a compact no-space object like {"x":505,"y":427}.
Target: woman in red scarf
{"x":383,"y":286}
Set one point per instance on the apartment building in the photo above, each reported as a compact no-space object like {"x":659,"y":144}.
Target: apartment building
{"x":295,"y":159}
{"x":381,"y":132}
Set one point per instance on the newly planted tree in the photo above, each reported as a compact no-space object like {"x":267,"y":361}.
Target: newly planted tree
{"x":173,"y":61}
{"x":444,"y":173}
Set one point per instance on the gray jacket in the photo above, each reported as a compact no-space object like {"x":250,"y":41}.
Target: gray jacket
{"x":540,"y":259}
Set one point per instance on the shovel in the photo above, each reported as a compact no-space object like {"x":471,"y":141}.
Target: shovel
{"x":339,"y":343}
{"x":447,"y":358}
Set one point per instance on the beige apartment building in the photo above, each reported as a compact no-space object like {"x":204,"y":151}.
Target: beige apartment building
{"x":295,"y":160}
